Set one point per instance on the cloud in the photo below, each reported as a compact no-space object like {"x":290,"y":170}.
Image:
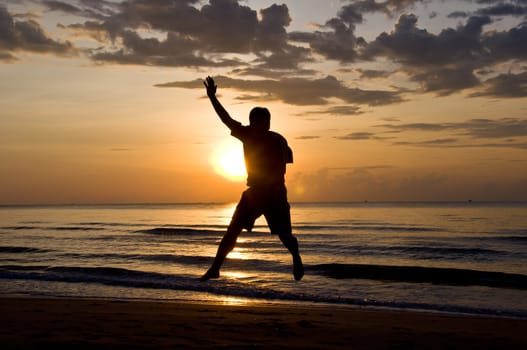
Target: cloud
{"x":488,"y":128}
{"x":340,"y":43}
{"x":408,"y":183}
{"x":307,"y":137}
{"x":83,"y":8}
{"x":454,"y":143}
{"x":431,"y":143}
{"x":372,"y":73}
{"x":357,"y":136}
{"x":414,"y":126}
{"x":506,"y":45}
{"x":189,"y":35}
{"x":477,"y":128}
{"x":27,"y":36}
{"x":503,"y":9}
{"x":271,"y":71}
{"x":173,"y":51}
{"x":336,"y":39}
{"x":6,"y":57}
{"x":271,"y":32}
{"x":257,"y":43}
{"x":338,"y":110}
{"x":504,"y":86}
{"x":375,"y":183}
{"x":444,"y":62}
{"x":458,"y":14}
{"x":299,"y":91}
{"x":510,"y":133}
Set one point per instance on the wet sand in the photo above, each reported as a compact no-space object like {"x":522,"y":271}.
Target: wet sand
{"x":37,"y":323}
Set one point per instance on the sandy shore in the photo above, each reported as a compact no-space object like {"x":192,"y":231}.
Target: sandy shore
{"x":29,"y":323}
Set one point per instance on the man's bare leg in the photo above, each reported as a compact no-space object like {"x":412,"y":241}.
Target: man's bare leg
{"x":291,"y":243}
{"x":226,"y":245}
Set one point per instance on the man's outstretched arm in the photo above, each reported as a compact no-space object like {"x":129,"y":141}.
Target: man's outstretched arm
{"x":220,"y":111}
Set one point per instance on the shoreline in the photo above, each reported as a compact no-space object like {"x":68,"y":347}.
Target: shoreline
{"x":42,"y":322}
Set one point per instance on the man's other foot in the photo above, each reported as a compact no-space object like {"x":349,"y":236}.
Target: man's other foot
{"x":211,"y":274}
{"x":298,"y":268}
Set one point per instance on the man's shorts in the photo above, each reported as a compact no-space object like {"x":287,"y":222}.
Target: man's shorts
{"x":270,"y":201}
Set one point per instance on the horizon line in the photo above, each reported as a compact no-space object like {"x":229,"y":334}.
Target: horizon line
{"x":86,"y":204}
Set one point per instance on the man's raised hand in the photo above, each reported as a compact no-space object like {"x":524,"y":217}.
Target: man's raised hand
{"x":211,"y":86}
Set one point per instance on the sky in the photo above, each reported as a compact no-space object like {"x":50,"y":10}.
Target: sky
{"x":400,"y":100}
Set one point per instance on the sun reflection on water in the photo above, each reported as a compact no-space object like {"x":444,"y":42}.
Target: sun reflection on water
{"x":236,"y":274}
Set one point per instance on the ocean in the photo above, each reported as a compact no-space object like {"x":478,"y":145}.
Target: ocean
{"x":461,"y":258}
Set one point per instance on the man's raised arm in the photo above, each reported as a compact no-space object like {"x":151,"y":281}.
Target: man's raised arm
{"x":220,"y":111}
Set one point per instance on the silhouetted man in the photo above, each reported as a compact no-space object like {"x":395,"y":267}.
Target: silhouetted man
{"x":266,"y":155}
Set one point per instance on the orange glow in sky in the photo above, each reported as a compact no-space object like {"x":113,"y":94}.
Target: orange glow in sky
{"x":103,"y":102}
{"x":228,"y":162}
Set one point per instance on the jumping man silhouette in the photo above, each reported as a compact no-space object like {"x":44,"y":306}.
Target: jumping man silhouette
{"x":266,"y":155}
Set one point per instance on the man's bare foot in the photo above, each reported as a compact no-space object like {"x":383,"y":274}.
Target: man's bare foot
{"x":298,"y":268}
{"x":210,"y":274}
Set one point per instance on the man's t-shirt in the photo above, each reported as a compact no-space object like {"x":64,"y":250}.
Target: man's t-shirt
{"x":266,"y":154}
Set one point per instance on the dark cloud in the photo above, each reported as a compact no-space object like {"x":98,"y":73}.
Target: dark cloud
{"x":458,"y":14}
{"x":299,"y":91}
{"x":373,"y":74}
{"x":506,"y":129}
{"x":443,"y":63}
{"x":446,"y":62}
{"x":27,"y":36}
{"x":336,"y":39}
{"x":445,"y":81}
{"x":504,"y":86}
{"x":488,"y":128}
{"x":288,"y":58}
{"x":263,"y":70}
{"x":173,"y":51}
{"x":506,"y":45}
{"x":62,"y":6}
{"x":417,"y":47}
{"x":187,"y":31}
{"x":89,"y":9}
{"x":271,"y":33}
{"x":354,"y":12}
{"x":503,"y":9}
{"x":257,"y":43}
{"x":340,"y":45}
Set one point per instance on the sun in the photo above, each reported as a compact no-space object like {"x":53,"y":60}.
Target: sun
{"x":227,"y":160}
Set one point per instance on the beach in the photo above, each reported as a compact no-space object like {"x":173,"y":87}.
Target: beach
{"x":378,"y":276}
{"x":31,"y":323}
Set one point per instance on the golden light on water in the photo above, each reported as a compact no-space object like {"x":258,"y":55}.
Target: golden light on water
{"x":237,"y":254}
{"x":235,"y":274}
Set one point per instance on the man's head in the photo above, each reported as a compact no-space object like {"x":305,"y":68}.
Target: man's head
{"x":260,"y":118}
